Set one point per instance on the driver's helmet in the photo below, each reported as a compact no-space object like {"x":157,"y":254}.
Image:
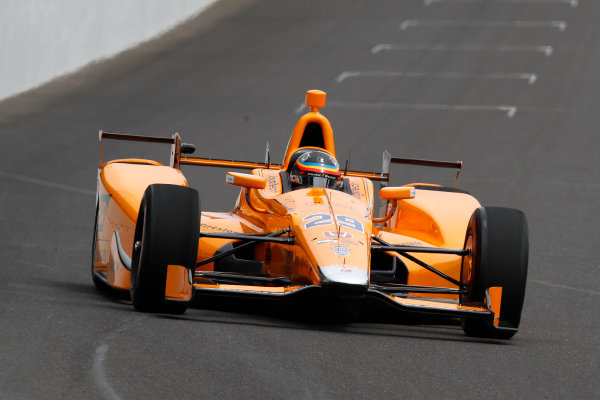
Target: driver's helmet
{"x":315,"y":168}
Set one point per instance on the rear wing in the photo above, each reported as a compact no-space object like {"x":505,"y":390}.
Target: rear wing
{"x":214,"y":162}
{"x":388,"y":160}
{"x":178,"y":148}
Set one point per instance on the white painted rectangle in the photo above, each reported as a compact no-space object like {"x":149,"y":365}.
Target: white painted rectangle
{"x":546,"y":50}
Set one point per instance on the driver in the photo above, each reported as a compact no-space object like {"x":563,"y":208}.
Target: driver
{"x":315,"y":168}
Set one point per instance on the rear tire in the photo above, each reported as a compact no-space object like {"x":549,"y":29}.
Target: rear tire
{"x":167,"y":232}
{"x":498,"y":240}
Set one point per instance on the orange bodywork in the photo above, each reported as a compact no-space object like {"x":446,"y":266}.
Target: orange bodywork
{"x":432,"y":219}
{"x":333,"y":230}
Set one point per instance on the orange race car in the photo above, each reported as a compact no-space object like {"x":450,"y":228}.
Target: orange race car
{"x":305,"y":226}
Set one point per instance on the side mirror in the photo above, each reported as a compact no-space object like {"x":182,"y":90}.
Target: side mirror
{"x":397,"y":193}
{"x":246,"y":180}
{"x":394,"y":194}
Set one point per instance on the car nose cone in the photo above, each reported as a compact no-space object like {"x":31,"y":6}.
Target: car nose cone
{"x":344,"y":274}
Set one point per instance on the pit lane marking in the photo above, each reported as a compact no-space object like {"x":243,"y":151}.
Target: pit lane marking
{"x":413,"y":23}
{"x":45,"y":183}
{"x":529,"y":77}
{"x":546,"y":50}
{"x":572,"y":3}
{"x":509,"y":110}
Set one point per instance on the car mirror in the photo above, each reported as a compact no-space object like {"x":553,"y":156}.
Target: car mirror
{"x":246,"y":180}
{"x":397,"y":193}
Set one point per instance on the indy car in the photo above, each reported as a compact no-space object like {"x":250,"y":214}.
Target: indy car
{"x":305,"y":226}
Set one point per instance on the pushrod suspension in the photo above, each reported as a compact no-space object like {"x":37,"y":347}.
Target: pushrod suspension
{"x":403,"y":252}
{"x":252,"y":239}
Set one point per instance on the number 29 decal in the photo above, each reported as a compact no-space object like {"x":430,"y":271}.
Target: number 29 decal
{"x":326,"y":219}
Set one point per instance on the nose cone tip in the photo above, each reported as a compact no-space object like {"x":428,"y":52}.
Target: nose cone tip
{"x":344,"y":274}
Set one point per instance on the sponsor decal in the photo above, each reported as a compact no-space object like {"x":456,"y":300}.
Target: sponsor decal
{"x":229,"y":179}
{"x":326,"y":219}
{"x":356,"y":190}
{"x":327,"y":241}
{"x":335,"y":234}
{"x":340,"y":248}
{"x":273,"y":184}
{"x":340,"y":241}
{"x":216,"y":228}
{"x":417,"y":244}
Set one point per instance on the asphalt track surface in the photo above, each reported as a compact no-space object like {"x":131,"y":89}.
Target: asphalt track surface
{"x":511,"y":87}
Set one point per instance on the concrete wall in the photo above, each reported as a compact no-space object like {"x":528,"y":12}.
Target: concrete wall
{"x":43,"y":39}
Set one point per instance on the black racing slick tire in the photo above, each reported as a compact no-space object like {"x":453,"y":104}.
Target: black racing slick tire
{"x":498,"y":239}
{"x":166,"y":233}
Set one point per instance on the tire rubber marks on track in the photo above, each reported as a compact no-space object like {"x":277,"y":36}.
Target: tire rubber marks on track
{"x":546,"y":50}
{"x":510,"y":111}
{"x":560,"y":286}
{"x":572,"y":3}
{"x":45,"y":183}
{"x":414,"y":23}
{"x":530,"y":78}
{"x":100,"y":375}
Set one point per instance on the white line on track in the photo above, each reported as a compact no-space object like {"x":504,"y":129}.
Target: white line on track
{"x":45,"y":183}
{"x":572,"y":3}
{"x":413,"y":23}
{"x":546,"y":50}
{"x":100,"y":376}
{"x":557,"y":285}
{"x":530,"y":78}
{"x":509,"y":110}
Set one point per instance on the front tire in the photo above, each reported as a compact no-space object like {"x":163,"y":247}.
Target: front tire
{"x":499,"y":242}
{"x":166,"y":234}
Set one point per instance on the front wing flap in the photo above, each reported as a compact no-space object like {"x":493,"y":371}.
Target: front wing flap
{"x":489,"y":311}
